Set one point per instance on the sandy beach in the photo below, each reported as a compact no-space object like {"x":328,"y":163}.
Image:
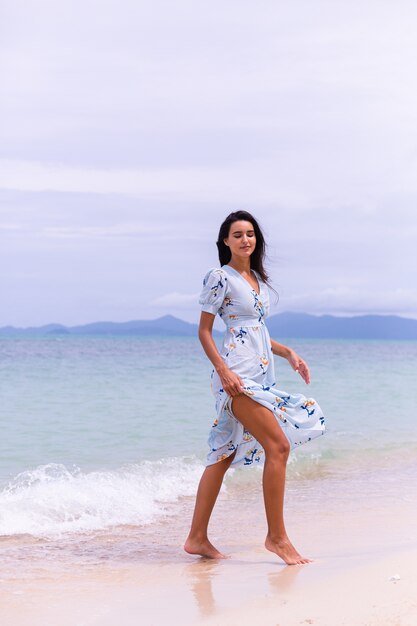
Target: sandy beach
{"x":183,"y":176}
{"x":359,"y":590}
{"x":94,"y":512}
{"x":363,"y":574}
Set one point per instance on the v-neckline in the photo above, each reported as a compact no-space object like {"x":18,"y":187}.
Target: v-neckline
{"x":246,"y":281}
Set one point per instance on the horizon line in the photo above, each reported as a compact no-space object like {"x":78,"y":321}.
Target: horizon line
{"x":103,"y":321}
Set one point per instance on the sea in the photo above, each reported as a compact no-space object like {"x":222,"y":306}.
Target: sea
{"x":104,"y":439}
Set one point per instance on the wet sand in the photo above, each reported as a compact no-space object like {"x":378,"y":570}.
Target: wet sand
{"x":252,"y":586}
{"x":363,"y":542}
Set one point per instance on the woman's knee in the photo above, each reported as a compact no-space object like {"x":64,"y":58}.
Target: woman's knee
{"x":278,"y":449}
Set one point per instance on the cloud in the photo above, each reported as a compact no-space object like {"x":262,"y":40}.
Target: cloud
{"x":260,"y":182}
{"x":175,"y":301}
{"x":348,"y":301}
{"x":130,"y":130}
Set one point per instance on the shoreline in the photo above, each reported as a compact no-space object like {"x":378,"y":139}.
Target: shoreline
{"x":356,"y":590}
{"x":126,"y":572}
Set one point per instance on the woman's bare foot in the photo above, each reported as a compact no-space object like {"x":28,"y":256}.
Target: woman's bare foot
{"x":203,"y":547}
{"x":284,"y":549}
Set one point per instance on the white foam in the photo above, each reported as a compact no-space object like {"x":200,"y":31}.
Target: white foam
{"x":51,"y":500}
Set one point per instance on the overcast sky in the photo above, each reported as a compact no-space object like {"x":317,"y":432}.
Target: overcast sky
{"x":130,"y":129}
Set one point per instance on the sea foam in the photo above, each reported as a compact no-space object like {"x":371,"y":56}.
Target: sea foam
{"x":51,"y":499}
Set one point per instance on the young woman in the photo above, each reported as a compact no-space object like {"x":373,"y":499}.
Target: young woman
{"x":256,"y":423}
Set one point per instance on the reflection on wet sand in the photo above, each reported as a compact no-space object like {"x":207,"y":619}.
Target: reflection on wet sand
{"x":280,"y":581}
{"x":201,"y":573}
{"x":261,"y":574}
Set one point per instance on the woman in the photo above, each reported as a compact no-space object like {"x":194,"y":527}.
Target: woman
{"x":255,"y":422}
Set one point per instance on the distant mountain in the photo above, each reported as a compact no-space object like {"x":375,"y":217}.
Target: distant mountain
{"x":166,"y":325}
{"x":295,"y":325}
{"x":331,"y":327}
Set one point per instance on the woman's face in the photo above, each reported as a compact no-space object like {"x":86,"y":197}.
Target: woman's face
{"x":241,"y":239}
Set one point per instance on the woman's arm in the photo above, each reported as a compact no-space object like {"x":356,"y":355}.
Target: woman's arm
{"x":280,"y":350}
{"x":231,"y":382}
{"x":296,"y":362}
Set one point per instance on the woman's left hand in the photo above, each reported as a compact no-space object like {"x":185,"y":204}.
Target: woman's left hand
{"x":299,"y":365}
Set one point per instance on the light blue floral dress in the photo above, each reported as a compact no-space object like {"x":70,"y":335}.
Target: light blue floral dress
{"x":247,"y":350}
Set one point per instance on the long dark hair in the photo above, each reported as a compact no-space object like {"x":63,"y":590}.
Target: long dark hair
{"x":258,"y":255}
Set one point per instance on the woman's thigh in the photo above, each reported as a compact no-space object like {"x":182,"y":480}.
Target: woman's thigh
{"x":260,"y":422}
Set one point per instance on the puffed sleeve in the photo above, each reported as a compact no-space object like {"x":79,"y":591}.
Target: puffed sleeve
{"x":214,"y":290}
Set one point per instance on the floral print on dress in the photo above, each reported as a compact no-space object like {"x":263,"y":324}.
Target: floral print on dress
{"x":263,"y":364}
{"x":247,"y":436}
{"x":246,"y":349}
{"x":258,"y":306}
{"x":240,"y":335}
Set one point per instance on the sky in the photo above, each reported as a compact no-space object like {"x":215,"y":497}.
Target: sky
{"x":131,"y":129}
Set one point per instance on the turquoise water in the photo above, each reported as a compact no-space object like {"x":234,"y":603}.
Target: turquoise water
{"x":112,"y":430}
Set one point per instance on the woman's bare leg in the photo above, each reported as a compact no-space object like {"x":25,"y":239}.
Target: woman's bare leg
{"x":263,"y":425}
{"x":208,"y":489}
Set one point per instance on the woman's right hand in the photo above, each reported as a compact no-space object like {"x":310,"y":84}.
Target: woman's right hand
{"x":231,"y":382}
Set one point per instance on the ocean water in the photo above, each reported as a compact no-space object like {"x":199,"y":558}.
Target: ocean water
{"x":108,"y":434}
